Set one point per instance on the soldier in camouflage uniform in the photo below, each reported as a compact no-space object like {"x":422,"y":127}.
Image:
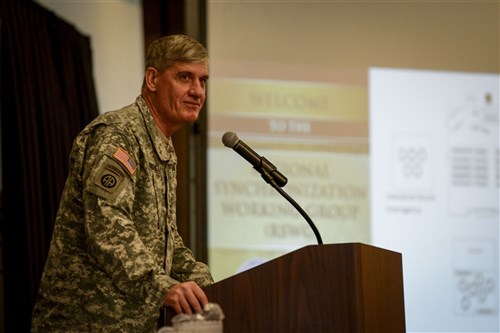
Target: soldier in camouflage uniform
{"x":116,"y":256}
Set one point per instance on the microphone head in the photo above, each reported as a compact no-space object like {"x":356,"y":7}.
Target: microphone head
{"x":230,"y":139}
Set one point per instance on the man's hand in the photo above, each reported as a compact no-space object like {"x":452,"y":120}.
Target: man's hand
{"x":185,"y":297}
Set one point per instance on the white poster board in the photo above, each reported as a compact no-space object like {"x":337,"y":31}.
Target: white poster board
{"x":434,"y":173}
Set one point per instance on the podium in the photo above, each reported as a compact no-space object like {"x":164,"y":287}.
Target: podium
{"x":351,"y":287}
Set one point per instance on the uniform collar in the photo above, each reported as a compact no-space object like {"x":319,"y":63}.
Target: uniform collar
{"x":163,"y":145}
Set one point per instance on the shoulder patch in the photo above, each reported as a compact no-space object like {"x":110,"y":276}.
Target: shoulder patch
{"x":124,"y":158}
{"x":109,"y":178}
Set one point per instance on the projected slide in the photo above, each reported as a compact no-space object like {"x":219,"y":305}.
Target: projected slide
{"x":316,"y":135}
{"x":435,"y":192}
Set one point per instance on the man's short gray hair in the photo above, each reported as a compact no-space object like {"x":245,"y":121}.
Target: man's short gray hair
{"x":164,"y":52}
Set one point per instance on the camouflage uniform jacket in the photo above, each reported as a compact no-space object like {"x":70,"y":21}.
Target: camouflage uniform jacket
{"x":109,"y":265}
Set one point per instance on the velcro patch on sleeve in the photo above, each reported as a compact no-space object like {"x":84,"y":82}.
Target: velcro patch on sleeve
{"x":124,"y":158}
{"x":108,"y":179}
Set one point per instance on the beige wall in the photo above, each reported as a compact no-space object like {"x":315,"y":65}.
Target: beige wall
{"x":115,"y":29}
{"x":346,"y":37}
{"x":349,"y":36}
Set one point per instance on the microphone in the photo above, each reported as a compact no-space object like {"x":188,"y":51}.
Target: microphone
{"x":268,"y":171}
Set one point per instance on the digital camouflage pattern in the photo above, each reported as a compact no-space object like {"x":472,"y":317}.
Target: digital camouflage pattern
{"x":109,"y":265}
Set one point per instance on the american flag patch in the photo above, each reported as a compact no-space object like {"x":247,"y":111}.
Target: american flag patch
{"x":123,"y":157}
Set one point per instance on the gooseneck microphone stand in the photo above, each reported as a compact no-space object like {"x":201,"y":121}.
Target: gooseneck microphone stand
{"x":269,"y":178}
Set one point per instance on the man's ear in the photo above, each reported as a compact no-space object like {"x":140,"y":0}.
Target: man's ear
{"x":151,"y":76}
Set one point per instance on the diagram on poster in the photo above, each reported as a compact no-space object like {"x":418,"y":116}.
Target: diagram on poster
{"x":473,"y":156}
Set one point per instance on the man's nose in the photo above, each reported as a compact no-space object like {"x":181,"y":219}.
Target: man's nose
{"x":197,"y":89}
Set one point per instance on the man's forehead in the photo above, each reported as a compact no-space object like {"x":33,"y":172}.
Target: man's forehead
{"x":179,"y":66}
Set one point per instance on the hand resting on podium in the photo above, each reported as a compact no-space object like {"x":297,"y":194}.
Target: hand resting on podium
{"x":185,"y":297}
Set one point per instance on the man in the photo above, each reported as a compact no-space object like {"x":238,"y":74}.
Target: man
{"x":116,"y":257}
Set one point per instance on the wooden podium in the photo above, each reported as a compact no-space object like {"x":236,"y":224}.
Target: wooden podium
{"x":349,"y":287}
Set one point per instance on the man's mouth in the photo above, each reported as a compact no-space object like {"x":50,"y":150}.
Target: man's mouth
{"x":192,"y":105}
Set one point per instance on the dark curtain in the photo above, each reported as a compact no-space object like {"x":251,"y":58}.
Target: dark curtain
{"x":47,"y":96}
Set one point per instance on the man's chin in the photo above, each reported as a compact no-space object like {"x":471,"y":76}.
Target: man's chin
{"x":192,"y":116}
